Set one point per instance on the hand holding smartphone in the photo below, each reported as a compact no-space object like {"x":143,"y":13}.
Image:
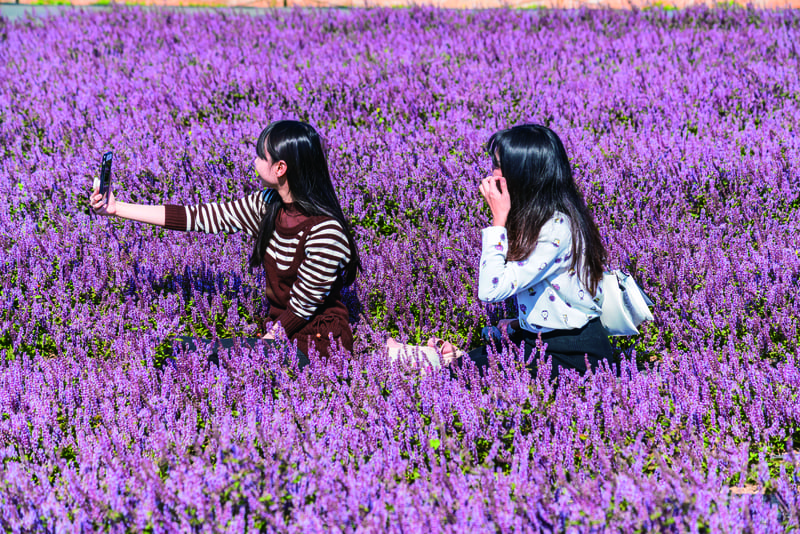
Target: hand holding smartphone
{"x":102,"y":185}
{"x":105,"y":175}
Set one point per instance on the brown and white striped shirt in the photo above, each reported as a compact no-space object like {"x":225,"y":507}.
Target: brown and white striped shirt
{"x":325,"y":247}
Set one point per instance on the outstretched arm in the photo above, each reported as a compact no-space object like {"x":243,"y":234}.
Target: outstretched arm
{"x":243,"y":214}
{"x":135,"y":212}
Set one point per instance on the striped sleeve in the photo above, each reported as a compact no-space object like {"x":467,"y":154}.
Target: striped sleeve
{"x":215,"y":217}
{"x":327,"y":251}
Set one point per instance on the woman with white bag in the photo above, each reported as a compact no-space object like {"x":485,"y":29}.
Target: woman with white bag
{"x":544,"y":248}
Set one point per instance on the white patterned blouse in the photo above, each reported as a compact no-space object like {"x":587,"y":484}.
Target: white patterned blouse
{"x":550,"y":295}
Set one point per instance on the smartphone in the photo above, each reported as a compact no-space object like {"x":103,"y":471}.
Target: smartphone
{"x":105,"y":175}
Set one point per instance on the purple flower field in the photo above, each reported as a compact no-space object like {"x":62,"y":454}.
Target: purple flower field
{"x":684,"y":133}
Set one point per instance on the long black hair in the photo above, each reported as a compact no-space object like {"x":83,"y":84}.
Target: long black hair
{"x":309,"y":180}
{"x":536,"y":168}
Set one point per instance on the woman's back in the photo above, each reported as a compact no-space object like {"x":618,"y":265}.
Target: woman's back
{"x":549,"y":293}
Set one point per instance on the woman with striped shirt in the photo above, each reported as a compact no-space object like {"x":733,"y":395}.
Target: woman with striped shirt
{"x":301,"y":236}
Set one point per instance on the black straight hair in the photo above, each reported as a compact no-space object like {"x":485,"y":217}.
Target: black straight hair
{"x":309,"y":180}
{"x":534,"y":163}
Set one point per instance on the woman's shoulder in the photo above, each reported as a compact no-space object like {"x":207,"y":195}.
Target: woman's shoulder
{"x":558,"y":226}
{"x":266,"y":195}
{"x":327,"y":236}
{"x":560,"y":218}
{"x":323,"y":225}
{"x":314,"y":227}
{"x":257,"y":201}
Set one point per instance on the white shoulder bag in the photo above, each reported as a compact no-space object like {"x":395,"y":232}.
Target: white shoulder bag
{"x":625,"y":306}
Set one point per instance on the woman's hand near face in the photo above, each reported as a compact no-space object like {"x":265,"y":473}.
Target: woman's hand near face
{"x":495,"y":191}
{"x":100,"y":206}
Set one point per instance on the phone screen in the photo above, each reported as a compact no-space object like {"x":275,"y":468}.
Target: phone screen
{"x":105,"y":174}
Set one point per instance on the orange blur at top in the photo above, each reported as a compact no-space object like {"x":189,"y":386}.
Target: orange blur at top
{"x":468,"y":4}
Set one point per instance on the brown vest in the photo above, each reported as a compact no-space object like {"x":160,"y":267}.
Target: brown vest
{"x":331,"y":318}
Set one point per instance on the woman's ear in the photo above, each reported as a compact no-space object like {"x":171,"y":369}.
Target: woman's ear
{"x":281,"y":170}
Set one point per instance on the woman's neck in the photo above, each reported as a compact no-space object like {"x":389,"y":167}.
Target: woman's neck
{"x":291,"y":207}
{"x":286,"y":195}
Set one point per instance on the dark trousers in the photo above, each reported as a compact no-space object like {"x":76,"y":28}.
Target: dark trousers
{"x":190,"y":343}
{"x":568,"y":349}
